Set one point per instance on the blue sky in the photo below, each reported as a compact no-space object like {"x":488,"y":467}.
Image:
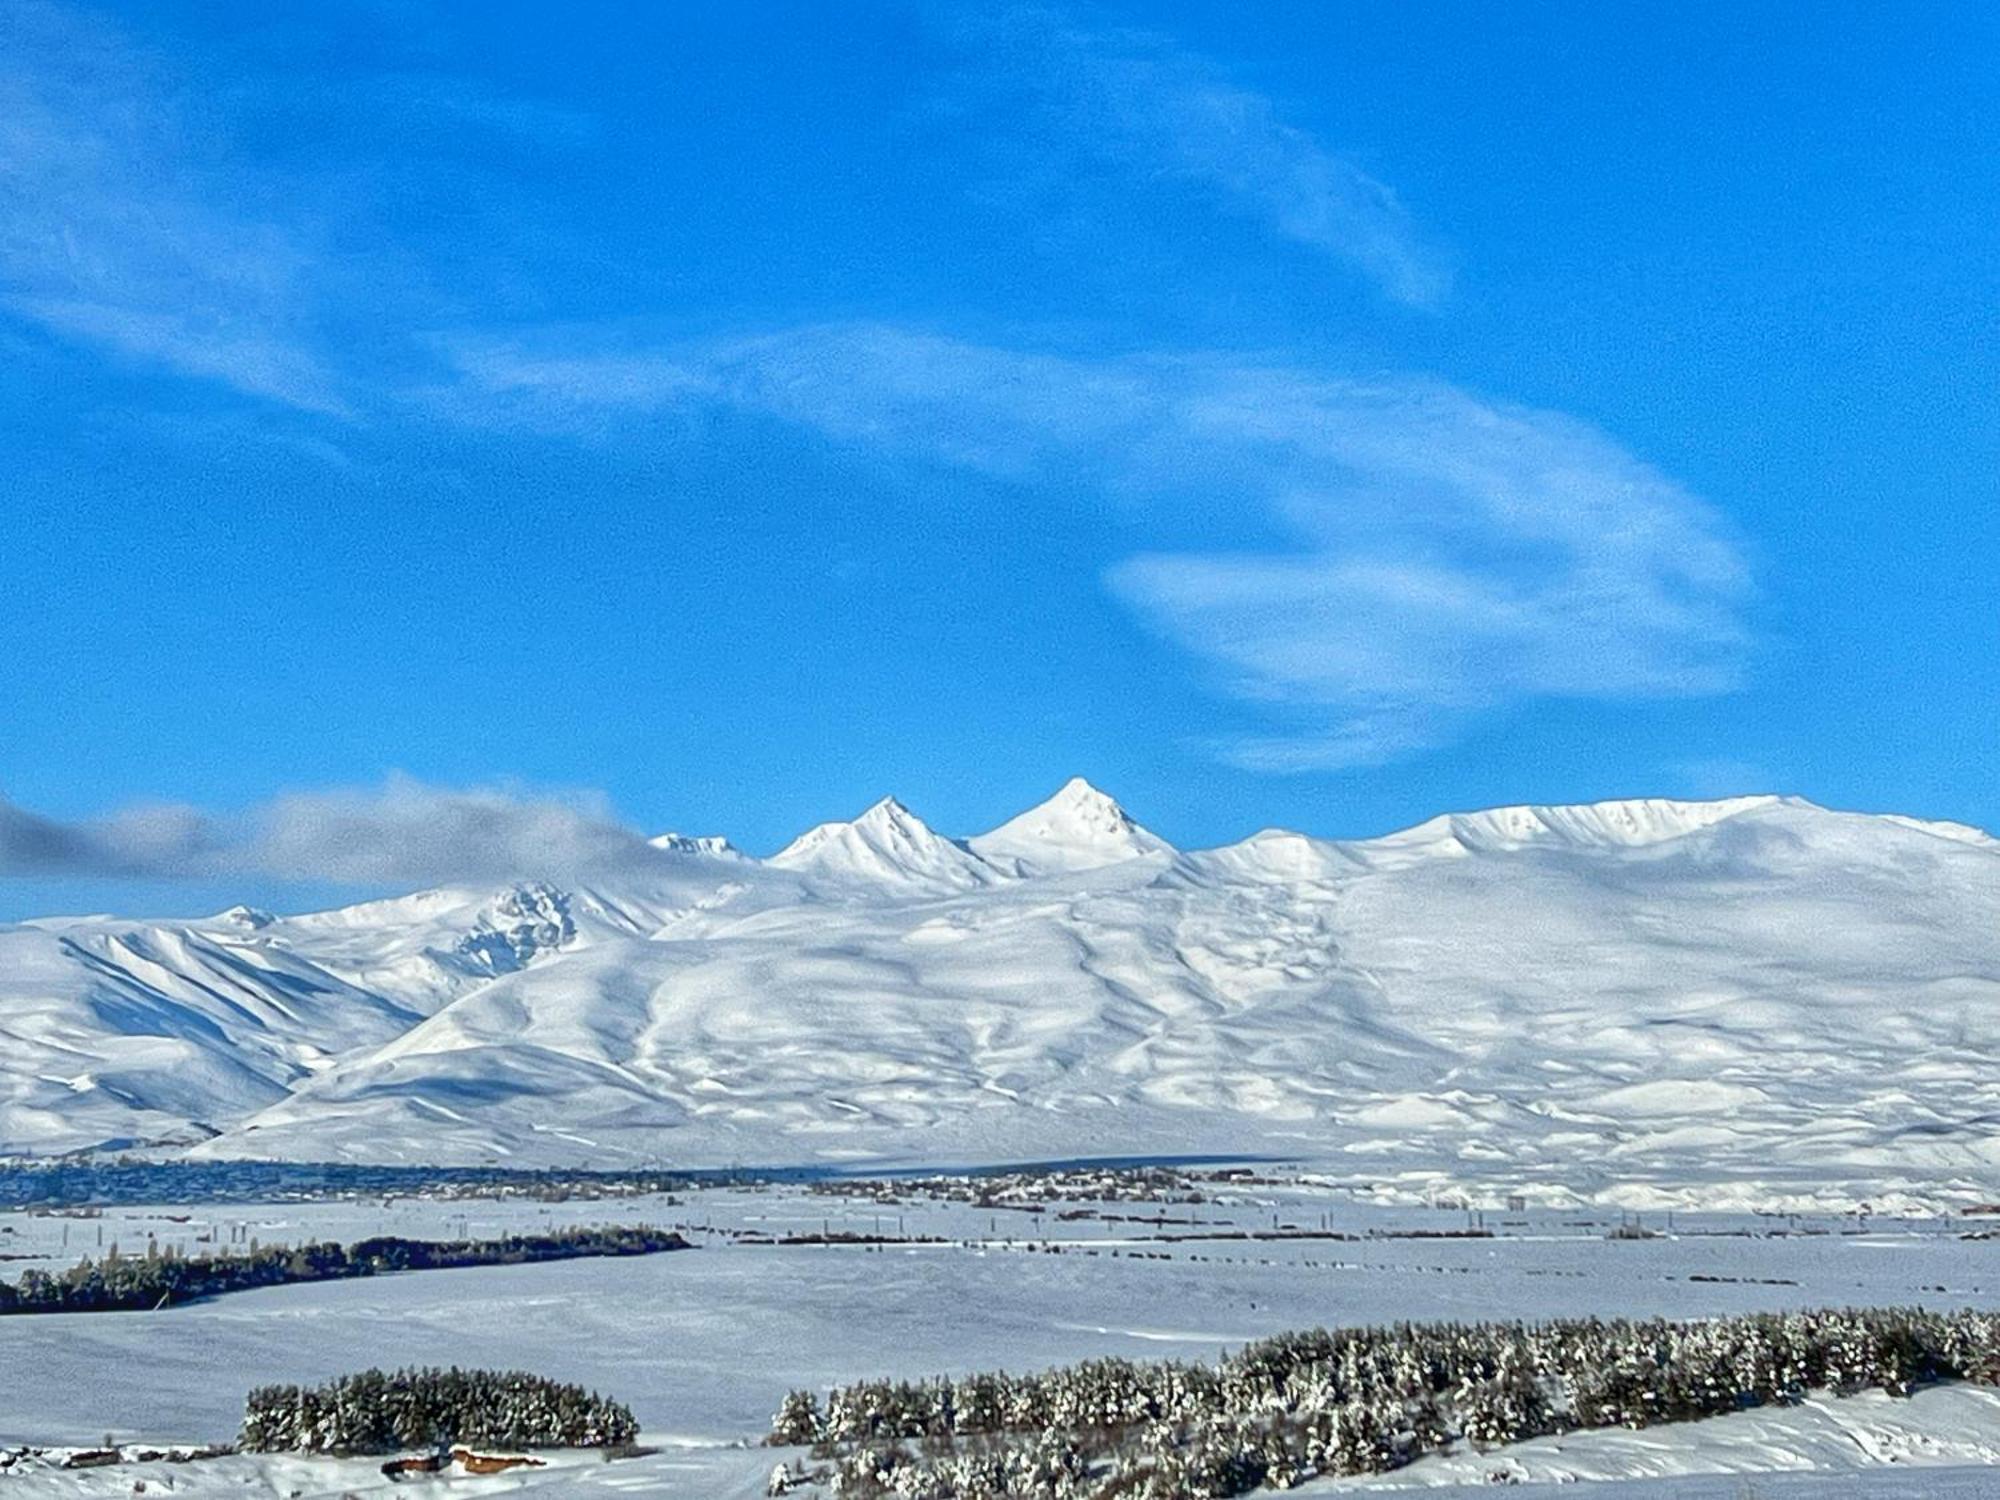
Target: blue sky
{"x":716,"y":417}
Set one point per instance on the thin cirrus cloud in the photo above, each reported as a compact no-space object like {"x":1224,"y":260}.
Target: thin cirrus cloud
{"x":113,"y":239}
{"x":1449,"y":556}
{"x":123,"y":218}
{"x":1443,"y":557}
{"x":402,"y":833}
{"x":1138,"y":102}
{"x":126,"y":228}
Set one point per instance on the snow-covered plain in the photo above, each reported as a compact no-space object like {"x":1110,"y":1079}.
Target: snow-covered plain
{"x":1752,"y":1002}
{"x":703,"y":1344}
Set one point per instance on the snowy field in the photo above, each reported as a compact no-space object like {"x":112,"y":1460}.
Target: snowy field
{"x":702,"y":1345}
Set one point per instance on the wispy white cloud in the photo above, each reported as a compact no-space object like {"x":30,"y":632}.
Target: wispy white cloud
{"x":1449,"y":555}
{"x":108,"y":234}
{"x":130,"y":224}
{"x":402,"y":833}
{"x":1456,"y":555}
{"x":209,"y":345}
{"x":1138,"y":101}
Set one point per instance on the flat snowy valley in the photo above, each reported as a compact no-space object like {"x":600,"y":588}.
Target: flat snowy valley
{"x":704,"y":1344}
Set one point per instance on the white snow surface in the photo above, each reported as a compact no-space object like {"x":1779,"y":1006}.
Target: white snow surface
{"x":1949,"y":1428}
{"x":1751,"y":1002}
{"x":704,"y":1344}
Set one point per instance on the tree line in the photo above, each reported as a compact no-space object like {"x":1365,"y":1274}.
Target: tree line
{"x":1349,"y":1401}
{"x":162,"y":1278}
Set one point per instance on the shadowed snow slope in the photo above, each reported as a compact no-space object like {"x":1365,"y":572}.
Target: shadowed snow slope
{"x":1747,"y":1001}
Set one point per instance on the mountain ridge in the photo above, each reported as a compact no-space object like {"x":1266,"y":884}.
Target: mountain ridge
{"x":1749,"y":990}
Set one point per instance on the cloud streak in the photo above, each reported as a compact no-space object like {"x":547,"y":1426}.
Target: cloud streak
{"x":404,"y":833}
{"x":1137,"y":101}
{"x":1449,"y":555}
{"x":129,"y":224}
{"x":111,"y":238}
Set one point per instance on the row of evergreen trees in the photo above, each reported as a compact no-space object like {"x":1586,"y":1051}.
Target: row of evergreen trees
{"x":1352,"y":1401}
{"x":380,"y":1412}
{"x":121,"y":1284}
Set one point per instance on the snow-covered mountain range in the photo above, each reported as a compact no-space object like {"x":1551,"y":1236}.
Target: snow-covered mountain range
{"x":1752,"y":999}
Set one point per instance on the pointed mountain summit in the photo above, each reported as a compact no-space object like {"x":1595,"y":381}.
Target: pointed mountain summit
{"x":887,"y":844}
{"x":1079,"y":828}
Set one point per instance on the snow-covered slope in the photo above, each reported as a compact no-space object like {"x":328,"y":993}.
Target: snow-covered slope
{"x":1756,"y":999}
{"x":119,"y":1033}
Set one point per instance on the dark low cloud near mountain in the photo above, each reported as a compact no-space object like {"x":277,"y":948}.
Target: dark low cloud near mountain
{"x":403,"y":832}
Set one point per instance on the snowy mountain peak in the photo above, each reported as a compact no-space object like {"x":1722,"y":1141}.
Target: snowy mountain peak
{"x":1079,"y":828}
{"x":888,"y":843}
{"x":697,"y":846}
{"x":889,"y":813}
{"x":1076,"y":792}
